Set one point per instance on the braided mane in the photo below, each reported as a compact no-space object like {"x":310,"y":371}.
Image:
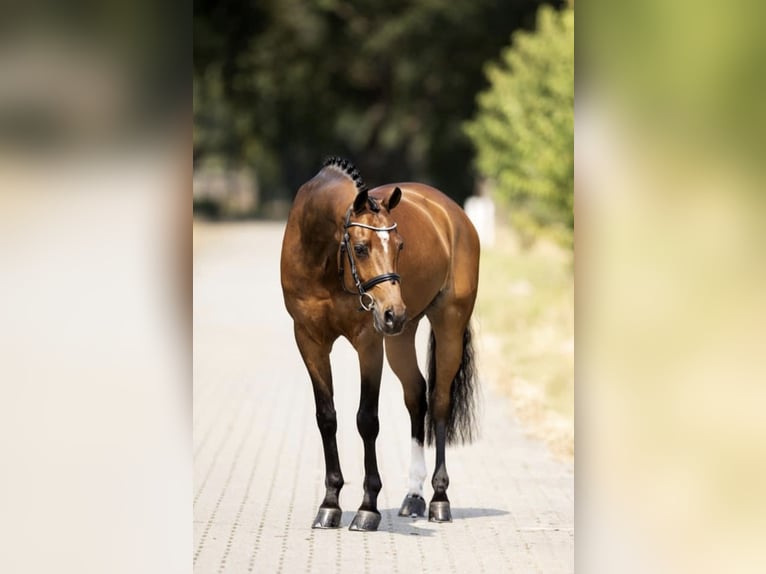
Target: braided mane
{"x":352,"y":173}
{"x":348,"y":168}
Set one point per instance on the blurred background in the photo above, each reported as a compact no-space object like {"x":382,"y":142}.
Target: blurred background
{"x":95,"y":286}
{"x":670,"y":287}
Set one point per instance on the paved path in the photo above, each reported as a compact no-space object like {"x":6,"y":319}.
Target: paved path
{"x":258,"y":458}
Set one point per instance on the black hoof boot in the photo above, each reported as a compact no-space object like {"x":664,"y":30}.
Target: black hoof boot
{"x":327,"y":518}
{"x":438,"y":511}
{"x":413,"y":505}
{"x":365,"y":521}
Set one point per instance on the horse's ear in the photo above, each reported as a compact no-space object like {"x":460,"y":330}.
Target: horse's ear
{"x":393,"y":200}
{"x":360,"y":202}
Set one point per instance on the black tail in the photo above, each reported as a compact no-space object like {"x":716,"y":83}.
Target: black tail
{"x":461,"y":421}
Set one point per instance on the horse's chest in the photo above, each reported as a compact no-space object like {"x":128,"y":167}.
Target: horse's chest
{"x":339,"y":315}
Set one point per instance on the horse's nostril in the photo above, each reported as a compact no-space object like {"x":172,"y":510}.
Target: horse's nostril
{"x":388,"y":316}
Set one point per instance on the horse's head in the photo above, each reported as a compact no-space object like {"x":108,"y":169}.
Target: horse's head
{"x":369,"y":260}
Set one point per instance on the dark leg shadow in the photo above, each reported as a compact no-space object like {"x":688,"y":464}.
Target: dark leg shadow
{"x":392,"y":522}
{"x":460,"y":513}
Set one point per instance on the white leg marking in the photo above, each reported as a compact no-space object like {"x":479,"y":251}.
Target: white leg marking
{"x":417,"y":469}
{"x":383,"y":240}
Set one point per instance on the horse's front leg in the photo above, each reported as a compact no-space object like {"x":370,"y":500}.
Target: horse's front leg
{"x":370,"y":352}
{"x":316,"y":356}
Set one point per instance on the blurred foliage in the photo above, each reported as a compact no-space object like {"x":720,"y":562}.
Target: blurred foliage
{"x":283,"y":84}
{"x":524,"y":129}
{"x":525,"y":311}
{"x":73,"y":74}
{"x":702,"y":90}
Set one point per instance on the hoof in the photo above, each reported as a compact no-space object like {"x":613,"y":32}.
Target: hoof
{"x":438,"y":511}
{"x":413,"y":505}
{"x":327,"y":518}
{"x":365,"y":521}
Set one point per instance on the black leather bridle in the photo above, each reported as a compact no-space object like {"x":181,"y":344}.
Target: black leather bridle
{"x":365,"y":299}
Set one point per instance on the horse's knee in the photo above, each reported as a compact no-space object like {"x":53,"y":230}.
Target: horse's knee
{"x":327,"y":421}
{"x":367,"y":423}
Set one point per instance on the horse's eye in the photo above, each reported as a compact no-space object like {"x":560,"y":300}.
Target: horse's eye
{"x":401,"y":246}
{"x":360,"y":250}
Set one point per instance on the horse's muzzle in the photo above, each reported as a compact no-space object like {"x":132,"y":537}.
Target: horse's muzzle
{"x":390,"y":322}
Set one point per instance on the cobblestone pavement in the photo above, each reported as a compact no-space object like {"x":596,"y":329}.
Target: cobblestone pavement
{"x":259,"y":469}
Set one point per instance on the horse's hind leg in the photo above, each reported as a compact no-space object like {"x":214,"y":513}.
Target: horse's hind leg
{"x":448,"y":330}
{"x":317,"y":358}
{"x":370,"y":351}
{"x":404,"y":362}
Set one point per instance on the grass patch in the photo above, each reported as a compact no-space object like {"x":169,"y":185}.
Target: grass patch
{"x":525,"y":310}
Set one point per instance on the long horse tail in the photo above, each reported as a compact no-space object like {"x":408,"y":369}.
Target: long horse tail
{"x":462,"y":419}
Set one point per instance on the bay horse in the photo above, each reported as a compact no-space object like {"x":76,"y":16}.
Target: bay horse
{"x":349,"y":268}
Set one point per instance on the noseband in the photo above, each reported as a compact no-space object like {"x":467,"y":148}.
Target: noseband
{"x":365,"y":299}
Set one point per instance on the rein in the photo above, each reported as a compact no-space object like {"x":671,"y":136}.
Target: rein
{"x":366,"y":300}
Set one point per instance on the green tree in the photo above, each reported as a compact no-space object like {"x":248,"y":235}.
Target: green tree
{"x":388,"y":83}
{"x":524,"y":128}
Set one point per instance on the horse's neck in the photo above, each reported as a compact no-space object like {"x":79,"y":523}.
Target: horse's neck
{"x":322,"y":217}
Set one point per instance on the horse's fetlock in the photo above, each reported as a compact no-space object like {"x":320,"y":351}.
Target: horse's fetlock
{"x":440,"y":480}
{"x":334,"y":480}
{"x":372,"y":483}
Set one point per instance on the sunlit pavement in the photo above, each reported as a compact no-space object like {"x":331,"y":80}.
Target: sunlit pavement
{"x":259,"y":470}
